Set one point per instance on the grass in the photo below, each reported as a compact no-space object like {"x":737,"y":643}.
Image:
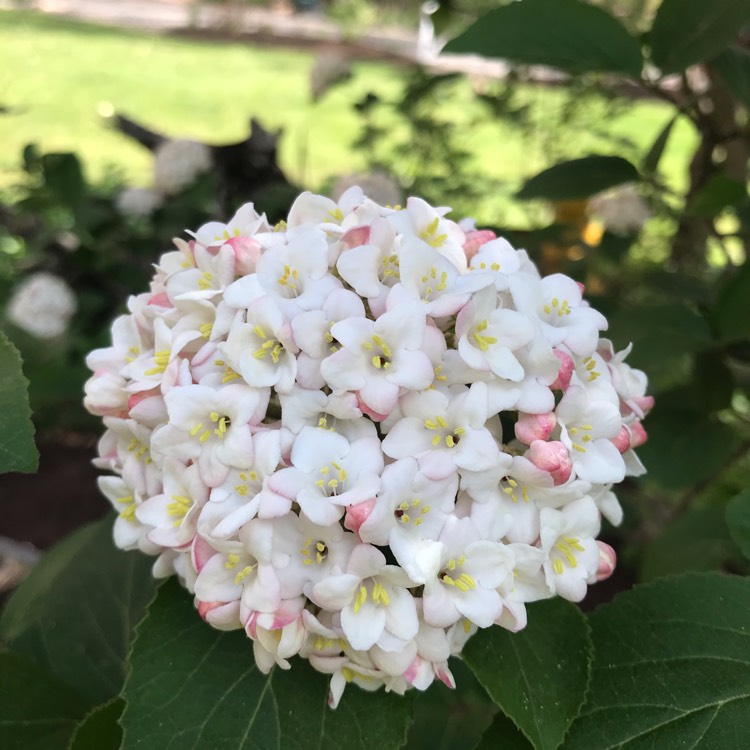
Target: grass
{"x":57,"y":74}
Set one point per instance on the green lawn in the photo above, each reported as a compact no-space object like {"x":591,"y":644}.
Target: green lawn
{"x":56,"y":74}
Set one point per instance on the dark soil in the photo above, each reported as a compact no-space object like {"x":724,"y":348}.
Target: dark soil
{"x":43,"y":508}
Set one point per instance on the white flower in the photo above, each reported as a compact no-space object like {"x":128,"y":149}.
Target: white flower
{"x":139,"y":202}
{"x":178,"y":163}
{"x":211,"y":427}
{"x":378,"y":358}
{"x":419,"y":219}
{"x":379,"y":186}
{"x":129,"y":532}
{"x":558,"y":304}
{"x":312,"y":334}
{"x":622,"y":210}
{"x":260,"y":347}
{"x":444,"y":432}
{"x":372,"y":266}
{"x":173,"y":515}
{"x":488,"y":335}
{"x":567,"y":536}
{"x":329,"y":473}
{"x":375,"y":604}
{"x":465,"y":580}
{"x":244,"y":224}
{"x":42,"y":305}
{"x":362,"y":434}
{"x":587,"y":426}
{"x":408,"y":514}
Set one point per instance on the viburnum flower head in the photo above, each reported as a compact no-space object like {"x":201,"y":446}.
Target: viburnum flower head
{"x":363,"y":433}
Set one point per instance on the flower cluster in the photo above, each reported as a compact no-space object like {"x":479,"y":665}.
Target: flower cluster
{"x":42,"y":305}
{"x":364,"y":433}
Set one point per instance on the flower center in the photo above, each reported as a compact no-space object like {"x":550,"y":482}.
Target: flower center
{"x":161,"y":360}
{"x":433,"y":283}
{"x":247,"y":478}
{"x":178,"y":509}
{"x":430,"y":236}
{"x":412,"y":512}
{"x":379,"y":595}
{"x":389,"y":268}
{"x":289,"y":280}
{"x":206,"y":280}
{"x":314,"y":552}
{"x":566,"y":547}
{"x":234,"y":560}
{"x":268,"y":346}
{"x":585,"y":438}
{"x":510,"y":486}
{"x":139,"y":450}
{"x":333,"y":478}
{"x":557,"y":307}
{"x":380,"y":351}
{"x":590,"y":364}
{"x":452,"y":575}
{"x":128,"y":512}
{"x":481,"y":339}
{"x":229,"y":374}
{"x":440,"y":425}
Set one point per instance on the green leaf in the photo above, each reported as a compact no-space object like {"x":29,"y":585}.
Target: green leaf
{"x":37,"y":711}
{"x":733,"y":65}
{"x":663,"y":336}
{"x":713,"y":382}
{"x":191,"y":687}
{"x":718,"y":193}
{"x":685,"y":444}
{"x":75,"y":612}
{"x":566,"y":34}
{"x":732,"y":313}
{"x":451,"y":719}
{"x":738,"y":520}
{"x":578,"y":178}
{"x":17,"y":449}
{"x":100,"y":729}
{"x":653,"y":157}
{"x":539,"y":675}
{"x":64,"y":176}
{"x":686,"y":32}
{"x":697,"y":541}
{"x":672,"y":667}
{"x":503,"y":735}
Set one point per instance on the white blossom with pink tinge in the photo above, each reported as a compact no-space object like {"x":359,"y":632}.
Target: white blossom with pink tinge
{"x":364,"y":433}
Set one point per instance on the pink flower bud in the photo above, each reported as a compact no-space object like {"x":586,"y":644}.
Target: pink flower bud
{"x":201,"y":552}
{"x":135,"y":398}
{"x":446,"y":677}
{"x":552,"y":457}
{"x":365,"y":409}
{"x":622,"y":440}
{"x":160,"y":300}
{"x":638,"y":435}
{"x":357,"y":514}
{"x":355,"y":237}
{"x":205,"y":607}
{"x":475,"y":238}
{"x":565,"y":373}
{"x":644,"y":403}
{"x":607,"y":561}
{"x":581,"y":286}
{"x":246,"y":254}
{"x":531,"y":427}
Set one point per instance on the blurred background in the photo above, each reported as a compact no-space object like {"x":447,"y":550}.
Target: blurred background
{"x":124,"y":122}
